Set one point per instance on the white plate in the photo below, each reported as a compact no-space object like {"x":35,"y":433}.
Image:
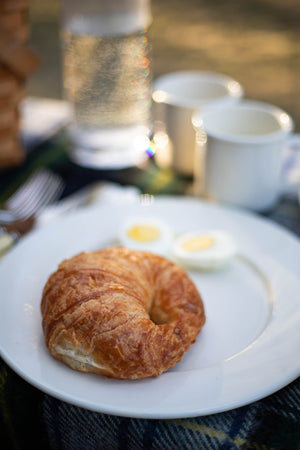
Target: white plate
{"x":249,"y":347}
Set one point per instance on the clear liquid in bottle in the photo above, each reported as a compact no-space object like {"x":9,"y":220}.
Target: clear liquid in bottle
{"x":108,"y":81}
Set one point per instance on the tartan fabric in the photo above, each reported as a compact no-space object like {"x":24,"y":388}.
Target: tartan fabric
{"x":272,"y":423}
{"x":31,"y":418}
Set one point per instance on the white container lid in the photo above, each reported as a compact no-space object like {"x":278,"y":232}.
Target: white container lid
{"x":106,"y":17}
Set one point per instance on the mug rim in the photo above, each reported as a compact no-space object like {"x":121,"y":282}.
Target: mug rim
{"x":233,"y":88}
{"x":285,"y":122}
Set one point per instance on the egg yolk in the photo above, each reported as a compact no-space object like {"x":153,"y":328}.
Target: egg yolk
{"x":143,"y":233}
{"x":198,"y":243}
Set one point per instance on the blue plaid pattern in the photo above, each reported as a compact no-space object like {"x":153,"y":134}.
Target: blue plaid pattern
{"x":271,"y":423}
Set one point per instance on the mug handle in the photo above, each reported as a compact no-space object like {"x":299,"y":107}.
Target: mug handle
{"x":290,"y":179}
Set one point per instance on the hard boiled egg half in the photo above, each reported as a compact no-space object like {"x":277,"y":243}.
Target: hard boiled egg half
{"x":146,"y":233}
{"x":204,"y":250}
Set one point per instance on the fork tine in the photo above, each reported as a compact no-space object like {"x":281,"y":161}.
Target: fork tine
{"x":27,"y":200}
{"x":40,"y":189}
{"x":17,"y":199}
{"x":50,"y":195}
{"x":47,"y":194}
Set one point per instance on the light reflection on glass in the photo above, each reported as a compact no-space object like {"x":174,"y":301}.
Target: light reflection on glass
{"x":159,"y":96}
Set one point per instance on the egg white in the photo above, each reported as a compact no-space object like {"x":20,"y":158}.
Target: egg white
{"x":159,"y":245}
{"x":215,"y":256}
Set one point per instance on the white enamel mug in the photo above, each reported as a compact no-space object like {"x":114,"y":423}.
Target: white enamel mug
{"x":176,"y":96}
{"x":239,"y":154}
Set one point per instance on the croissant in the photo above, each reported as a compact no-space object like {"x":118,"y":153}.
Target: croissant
{"x":121,"y":313}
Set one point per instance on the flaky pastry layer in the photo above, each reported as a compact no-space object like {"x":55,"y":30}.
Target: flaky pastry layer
{"x":120,"y":313}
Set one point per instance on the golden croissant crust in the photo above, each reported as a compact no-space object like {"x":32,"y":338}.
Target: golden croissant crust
{"x":120,"y":313}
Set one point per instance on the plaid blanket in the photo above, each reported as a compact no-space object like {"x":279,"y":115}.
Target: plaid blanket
{"x":28,"y":417}
{"x":273,"y":423}
{"x":31,"y":418}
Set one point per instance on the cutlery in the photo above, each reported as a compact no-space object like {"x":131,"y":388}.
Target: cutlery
{"x":42,"y":188}
{"x":12,"y":232}
{"x":18,"y":215}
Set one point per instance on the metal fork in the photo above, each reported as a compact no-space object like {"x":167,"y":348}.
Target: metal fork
{"x":41,"y":189}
